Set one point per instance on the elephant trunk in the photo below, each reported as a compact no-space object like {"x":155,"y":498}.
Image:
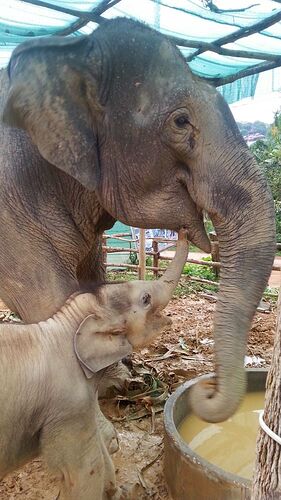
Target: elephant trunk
{"x":165,"y":286}
{"x":247,"y":249}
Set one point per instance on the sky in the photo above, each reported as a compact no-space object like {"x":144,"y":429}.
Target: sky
{"x":261,"y":108}
{"x":265,"y":102}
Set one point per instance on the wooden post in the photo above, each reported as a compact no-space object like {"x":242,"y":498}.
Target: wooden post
{"x":215,"y":251}
{"x":104,"y":251}
{"x":142,"y":256}
{"x":155,"y":257}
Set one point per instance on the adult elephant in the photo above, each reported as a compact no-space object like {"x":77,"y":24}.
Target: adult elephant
{"x":115,"y":126}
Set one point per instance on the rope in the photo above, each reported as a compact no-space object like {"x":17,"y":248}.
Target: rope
{"x":267,"y":429}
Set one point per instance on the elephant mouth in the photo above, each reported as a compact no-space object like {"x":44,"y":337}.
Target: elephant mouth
{"x":194,"y":223}
{"x":195,"y":226}
{"x":196,"y":234}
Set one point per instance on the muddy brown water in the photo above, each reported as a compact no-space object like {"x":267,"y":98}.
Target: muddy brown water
{"x":190,"y":476}
{"x":231,"y":444}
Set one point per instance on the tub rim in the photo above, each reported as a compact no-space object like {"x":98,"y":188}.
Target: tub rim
{"x":185,"y":450}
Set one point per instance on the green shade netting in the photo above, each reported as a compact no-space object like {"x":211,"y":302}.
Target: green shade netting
{"x":185,"y":19}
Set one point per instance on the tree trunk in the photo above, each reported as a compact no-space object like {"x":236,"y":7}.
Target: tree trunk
{"x":267,"y":474}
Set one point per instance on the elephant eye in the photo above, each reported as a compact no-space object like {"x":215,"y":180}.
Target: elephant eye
{"x":146,"y":299}
{"x":181,"y":121}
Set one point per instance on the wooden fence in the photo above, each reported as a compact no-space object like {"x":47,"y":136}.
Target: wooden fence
{"x":137,"y":247}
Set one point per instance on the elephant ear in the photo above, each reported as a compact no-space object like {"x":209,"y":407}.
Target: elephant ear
{"x":97,"y":346}
{"x":53,"y":97}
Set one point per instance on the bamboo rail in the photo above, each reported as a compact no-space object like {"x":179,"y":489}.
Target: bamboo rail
{"x":142,"y":255}
{"x":121,"y":237}
{"x":155,"y":253}
{"x":131,"y":266}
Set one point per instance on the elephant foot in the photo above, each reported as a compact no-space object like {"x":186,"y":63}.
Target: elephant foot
{"x":118,"y":493}
{"x":113,"y":494}
{"x":111,"y":439}
{"x":124,"y":492}
{"x":114,"y":376}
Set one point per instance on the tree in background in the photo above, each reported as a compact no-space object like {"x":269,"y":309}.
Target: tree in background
{"x":268,"y":155}
{"x":257,"y":127}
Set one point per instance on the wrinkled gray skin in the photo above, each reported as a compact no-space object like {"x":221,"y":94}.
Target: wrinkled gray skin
{"x":58,"y":416}
{"x":119,"y":125}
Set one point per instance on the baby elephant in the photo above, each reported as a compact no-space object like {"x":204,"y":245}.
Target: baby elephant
{"x":50,"y":373}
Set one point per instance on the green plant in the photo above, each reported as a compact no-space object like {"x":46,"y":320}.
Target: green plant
{"x":268,"y":155}
{"x":200,"y":271}
{"x":133,"y":258}
{"x":208,"y":225}
{"x":271,"y":294}
{"x":148,"y":260}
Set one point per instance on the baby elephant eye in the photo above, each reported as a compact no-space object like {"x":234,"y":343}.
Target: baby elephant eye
{"x":181,"y":121}
{"x":146,"y":299}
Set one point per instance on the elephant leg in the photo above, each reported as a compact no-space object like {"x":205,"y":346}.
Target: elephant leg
{"x":75,"y":452}
{"x":111,"y":491}
{"x":108,"y":432}
{"x":92,"y":268}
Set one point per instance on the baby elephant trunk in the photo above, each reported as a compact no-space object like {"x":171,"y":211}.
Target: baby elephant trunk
{"x":166,"y":285}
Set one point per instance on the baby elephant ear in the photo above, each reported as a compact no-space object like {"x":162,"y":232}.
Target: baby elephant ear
{"x":97,"y":347}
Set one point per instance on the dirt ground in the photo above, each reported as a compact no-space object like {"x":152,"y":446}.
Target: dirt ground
{"x":181,"y":353}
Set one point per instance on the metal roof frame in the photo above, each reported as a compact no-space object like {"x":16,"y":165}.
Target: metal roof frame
{"x":269,"y":60}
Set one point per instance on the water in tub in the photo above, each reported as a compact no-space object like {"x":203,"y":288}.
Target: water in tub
{"x":231,"y":444}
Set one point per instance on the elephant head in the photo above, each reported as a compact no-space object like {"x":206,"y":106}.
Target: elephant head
{"x":121,"y":112}
{"x":129,"y":315}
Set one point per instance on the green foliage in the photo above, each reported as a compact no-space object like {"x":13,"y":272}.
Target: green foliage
{"x":148,"y":260}
{"x":190,"y":287}
{"x":271,"y":294}
{"x":133,"y":259}
{"x":268,"y":155}
{"x":199,"y":271}
{"x":208,"y":225}
{"x":185,"y":287}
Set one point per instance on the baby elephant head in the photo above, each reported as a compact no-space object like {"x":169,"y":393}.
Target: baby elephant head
{"x":127,"y":316}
